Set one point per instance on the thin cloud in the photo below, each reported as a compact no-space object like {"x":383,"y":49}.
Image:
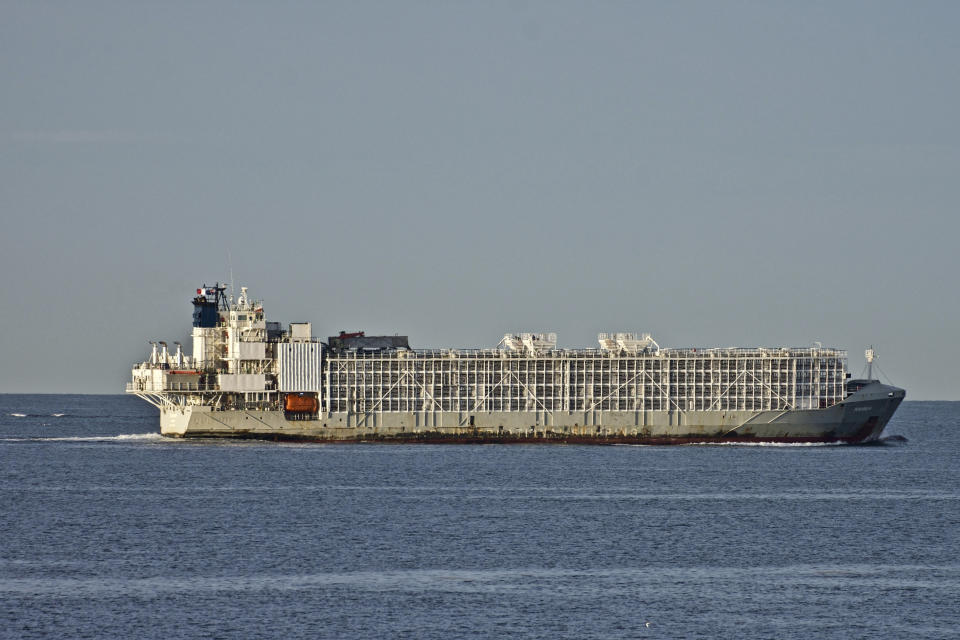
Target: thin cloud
{"x":83,"y":136}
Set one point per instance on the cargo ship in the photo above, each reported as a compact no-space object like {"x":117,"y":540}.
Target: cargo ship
{"x":250,"y":378}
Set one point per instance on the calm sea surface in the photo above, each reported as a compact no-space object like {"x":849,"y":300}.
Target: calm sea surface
{"x":109,"y":531}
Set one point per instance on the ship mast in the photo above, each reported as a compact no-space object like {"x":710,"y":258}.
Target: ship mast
{"x":870,"y":354}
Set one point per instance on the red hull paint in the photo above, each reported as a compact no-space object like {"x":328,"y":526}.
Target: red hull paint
{"x":557,"y":438}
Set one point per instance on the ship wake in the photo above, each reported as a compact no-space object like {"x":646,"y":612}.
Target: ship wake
{"x":123,"y":437}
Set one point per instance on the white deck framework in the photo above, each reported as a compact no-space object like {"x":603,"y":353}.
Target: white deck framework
{"x":583,"y":380}
{"x":239,"y":362}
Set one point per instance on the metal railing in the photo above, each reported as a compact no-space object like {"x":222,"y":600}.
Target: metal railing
{"x":133,"y":387}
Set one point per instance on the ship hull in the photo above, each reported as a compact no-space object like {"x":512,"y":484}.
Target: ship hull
{"x":859,"y":418}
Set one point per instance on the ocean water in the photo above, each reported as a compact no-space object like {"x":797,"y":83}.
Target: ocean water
{"x":108,"y":530}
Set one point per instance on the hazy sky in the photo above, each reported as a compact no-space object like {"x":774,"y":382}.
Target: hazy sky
{"x":715,"y":173}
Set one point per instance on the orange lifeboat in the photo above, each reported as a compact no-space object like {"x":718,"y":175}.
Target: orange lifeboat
{"x":301,"y":403}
